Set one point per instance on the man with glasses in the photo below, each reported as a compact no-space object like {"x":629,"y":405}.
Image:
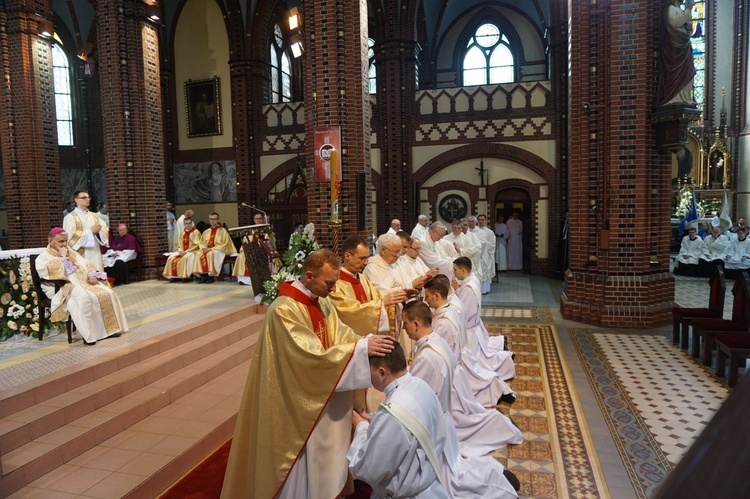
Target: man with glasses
{"x":87,"y":231}
{"x":412,"y":270}
{"x":382,"y":273}
{"x":216,"y":244}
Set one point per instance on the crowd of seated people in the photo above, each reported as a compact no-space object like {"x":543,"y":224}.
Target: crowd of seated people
{"x":730,"y":251}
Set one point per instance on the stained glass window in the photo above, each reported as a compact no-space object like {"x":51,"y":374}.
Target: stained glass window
{"x":63,"y":101}
{"x":488,"y":58}
{"x":699,"y":51}
{"x":372,"y":73}
{"x":281,"y":68}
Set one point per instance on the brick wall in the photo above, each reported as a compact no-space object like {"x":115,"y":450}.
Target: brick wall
{"x":29,"y":148}
{"x":335,"y":42}
{"x":131,"y":104}
{"x":619,"y":184}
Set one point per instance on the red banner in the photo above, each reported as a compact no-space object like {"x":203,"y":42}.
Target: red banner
{"x":326,"y":139}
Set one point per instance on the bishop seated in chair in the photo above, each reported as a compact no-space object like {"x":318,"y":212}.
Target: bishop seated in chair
{"x":93,"y":306}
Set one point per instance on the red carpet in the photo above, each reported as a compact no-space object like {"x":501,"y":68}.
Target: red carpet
{"x":203,"y":481}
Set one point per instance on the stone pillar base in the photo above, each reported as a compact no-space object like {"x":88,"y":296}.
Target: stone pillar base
{"x":626,"y":301}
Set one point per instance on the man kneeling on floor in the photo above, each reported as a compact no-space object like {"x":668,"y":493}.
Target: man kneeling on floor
{"x":93,"y":306}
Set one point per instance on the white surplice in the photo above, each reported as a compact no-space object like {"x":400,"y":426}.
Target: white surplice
{"x":388,"y":457}
{"x":736,"y":252}
{"x":691,"y":250}
{"x":418,"y":231}
{"x":716,"y":247}
{"x":473,"y":477}
{"x":515,"y":244}
{"x":488,"y":258}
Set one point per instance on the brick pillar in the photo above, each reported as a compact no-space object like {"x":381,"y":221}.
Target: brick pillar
{"x":27,"y":109}
{"x":396,"y":57}
{"x":619,"y":187}
{"x":336,"y":93}
{"x":131,"y":105}
{"x":249,"y":78}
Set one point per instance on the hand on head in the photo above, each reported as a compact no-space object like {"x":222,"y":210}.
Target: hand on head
{"x":379,"y":346}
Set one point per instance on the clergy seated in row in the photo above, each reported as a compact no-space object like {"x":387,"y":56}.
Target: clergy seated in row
{"x":485,"y":387}
{"x":93,"y":306}
{"x":294,"y":424}
{"x":490,"y":352}
{"x":715,"y":250}
{"x":463,"y":477}
{"x":691,"y":250}
{"x":738,"y":255}
{"x":216,"y":244}
{"x":398,"y":450}
{"x":86,"y":230}
{"x":180,"y":263}
{"x":123,"y":247}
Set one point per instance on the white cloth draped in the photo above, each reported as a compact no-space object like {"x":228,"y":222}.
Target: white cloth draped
{"x":691,"y":250}
{"x":473,"y":477}
{"x":488,"y":351}
{"x":434,"y":256}
{"x":418,"y":231}
{"x":88,"y":244}
{"x":388,"y":457}
{"x":501,"y":241}
{"x":735,"y":254}
{"x":307,"y":478}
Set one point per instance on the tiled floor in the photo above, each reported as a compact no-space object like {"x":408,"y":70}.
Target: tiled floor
{"x":692,"y":395}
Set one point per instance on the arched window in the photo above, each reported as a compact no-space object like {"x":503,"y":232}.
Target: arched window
{"x":63,"y":101}
{"x":281,"y":68}
{"x":372,"y":72}
{"x":488,"y":59}
{"x":699,"y":51}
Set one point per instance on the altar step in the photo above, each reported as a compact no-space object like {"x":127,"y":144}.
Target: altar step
{"x":133,"y":422}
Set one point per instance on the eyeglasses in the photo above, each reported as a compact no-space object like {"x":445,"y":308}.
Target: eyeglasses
{"x":418,"y":248}
{"x":395,"y":252}
{"x":211,"y":218}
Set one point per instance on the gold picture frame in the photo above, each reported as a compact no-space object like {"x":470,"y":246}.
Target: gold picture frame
{"x":203,"y":107}
{"x":717,"y":166}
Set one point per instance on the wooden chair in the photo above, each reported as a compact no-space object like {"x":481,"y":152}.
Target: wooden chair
{"x":736,"y":347}
{"x":135,"y":266}
{"x":44,"y":302}
{"x":682,"y":316}
{"x":740,"y":321}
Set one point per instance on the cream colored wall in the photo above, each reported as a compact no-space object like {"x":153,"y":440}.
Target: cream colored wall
{"x":227,"y":212}
{"x":499,"y":169}
{"x":202,"y":51}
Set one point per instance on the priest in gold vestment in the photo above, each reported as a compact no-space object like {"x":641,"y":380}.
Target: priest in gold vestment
{"x":293,"y":427}
{"x":94,"y":307}
{"x":180,"y":264}
{"x":216,"y":244}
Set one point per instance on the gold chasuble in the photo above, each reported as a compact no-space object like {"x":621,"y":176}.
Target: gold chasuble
{"x":291,"y":380}
{"x":357,"y":303}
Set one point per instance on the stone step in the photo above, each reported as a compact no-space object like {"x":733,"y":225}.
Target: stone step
{"x":68,"y":427}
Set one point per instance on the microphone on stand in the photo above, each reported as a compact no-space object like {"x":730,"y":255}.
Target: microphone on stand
{"x":265,"y":216}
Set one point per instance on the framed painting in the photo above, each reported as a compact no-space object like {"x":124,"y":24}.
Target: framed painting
{"x":203,"y":107}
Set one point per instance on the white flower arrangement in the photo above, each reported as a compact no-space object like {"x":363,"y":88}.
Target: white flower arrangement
{"x":302,"y":245}
{"x":18,"y":300}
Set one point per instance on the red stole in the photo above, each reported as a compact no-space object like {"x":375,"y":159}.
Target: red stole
{"x":211,"y":239}
{"x":186,"y":238}
{"x":359,"y":290}
{"x":313,"y":308}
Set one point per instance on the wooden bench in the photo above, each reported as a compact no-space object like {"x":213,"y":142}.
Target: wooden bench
{"x":683,"y":316}
{"x":160,"y":261}
{"x":735,"y":347}
{"x":739,"y":323}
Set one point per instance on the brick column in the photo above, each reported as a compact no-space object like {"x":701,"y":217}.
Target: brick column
{"x":27,"y":111}
{"x":335,"y":76}
{"x":619,"y":187}
{"x":249,"y":79}
{"x":131,"y":106}
{"x":396,"y":57}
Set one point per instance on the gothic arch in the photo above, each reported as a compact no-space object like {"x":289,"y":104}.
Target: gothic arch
{"x":500,"y":151}
{"x":277,"y":174}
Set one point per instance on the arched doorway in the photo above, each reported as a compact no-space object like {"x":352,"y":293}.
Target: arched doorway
{"x":506,"y":202}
